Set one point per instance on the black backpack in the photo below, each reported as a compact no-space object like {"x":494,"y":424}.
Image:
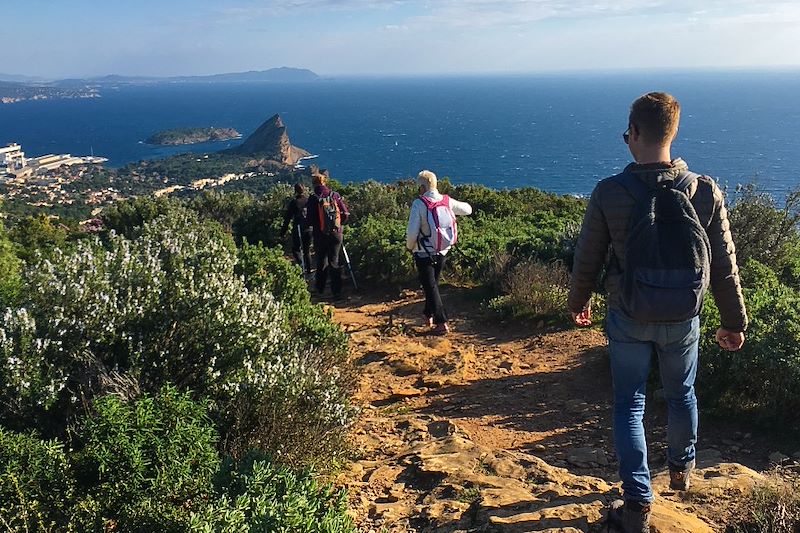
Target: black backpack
{"x":301,"y":213}
{"x":667,"y":264}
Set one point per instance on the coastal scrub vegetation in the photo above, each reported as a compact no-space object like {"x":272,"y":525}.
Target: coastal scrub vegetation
{"x":187,"y":308}
{"x":762,"y":379}
{"x":519,"y":245}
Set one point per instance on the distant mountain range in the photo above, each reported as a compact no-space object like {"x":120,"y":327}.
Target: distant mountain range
{"x":274,"y":75}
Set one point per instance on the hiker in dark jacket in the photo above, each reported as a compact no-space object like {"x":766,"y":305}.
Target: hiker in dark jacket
{"x":326,"y":213}
{"x":634,"y":335}
{"x":295,"y":216}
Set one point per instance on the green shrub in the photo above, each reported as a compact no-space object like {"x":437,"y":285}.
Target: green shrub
{"x":377,"y":248}
{"x":262,"y":221}
{"x":516,"y":202}
{"x":258,"y":496}
{"x":127,"y":217}
{"x":763,"y":378}
{"x":225,"y":209}
{"x":38,"y":235}
{"x":762,"y":230}
{"x":36,"y":483}
{"x":145,"y":464}
{"x":379,"y":200}
{"x":151,"y":465}
{"x":268,"y":269}
{"x":10,"y":267}
{"x":541,"y":236}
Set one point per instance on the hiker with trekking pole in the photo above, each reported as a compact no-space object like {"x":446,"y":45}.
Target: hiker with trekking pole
{"x":432,"y":231}
{"x":326,"y":214}
{"x":296,"y":215}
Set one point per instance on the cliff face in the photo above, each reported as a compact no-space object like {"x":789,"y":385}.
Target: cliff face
{"x":270,"y":141}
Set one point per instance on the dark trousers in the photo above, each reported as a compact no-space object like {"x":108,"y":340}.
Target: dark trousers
{"x":301,"y":248}
{"x":429,"y":270}
{"x":326,"y":251}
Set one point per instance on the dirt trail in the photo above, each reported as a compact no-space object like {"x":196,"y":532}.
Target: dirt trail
{"x":503,"y":427}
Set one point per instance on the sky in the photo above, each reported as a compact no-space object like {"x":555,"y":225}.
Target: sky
{"x":80,"y":38}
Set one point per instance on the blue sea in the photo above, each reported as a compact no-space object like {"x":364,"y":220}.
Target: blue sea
{"x":561,"y":133}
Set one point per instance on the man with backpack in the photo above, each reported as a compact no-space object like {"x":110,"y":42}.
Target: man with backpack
{"x":296,"y":215}
{"x":326,"y":213}
{"x":667,"y":234}
{"x":431,"y":232}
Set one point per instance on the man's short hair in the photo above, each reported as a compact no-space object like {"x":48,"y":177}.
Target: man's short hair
{"x":656,"y":116}
{"x":427,"y":179}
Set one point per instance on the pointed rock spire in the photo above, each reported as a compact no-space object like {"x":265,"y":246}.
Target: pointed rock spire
{"x":270,"y":141}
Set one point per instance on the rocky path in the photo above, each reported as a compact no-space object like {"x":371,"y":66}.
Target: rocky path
{"x":502,"y":428}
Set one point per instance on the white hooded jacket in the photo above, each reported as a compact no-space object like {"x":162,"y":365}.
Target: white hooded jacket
{"x":418,"y":220}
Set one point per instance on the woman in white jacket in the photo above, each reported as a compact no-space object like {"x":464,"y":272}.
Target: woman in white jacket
{"x":430,"y":246}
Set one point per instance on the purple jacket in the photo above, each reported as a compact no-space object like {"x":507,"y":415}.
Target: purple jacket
{"x":313,"y":207}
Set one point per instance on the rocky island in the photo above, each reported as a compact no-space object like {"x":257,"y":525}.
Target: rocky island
{"x":180,"y":136}
{"x":270,"y":142}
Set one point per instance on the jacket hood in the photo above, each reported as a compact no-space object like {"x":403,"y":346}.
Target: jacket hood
{"x":654,"y":173}
{"x":322,"y":190}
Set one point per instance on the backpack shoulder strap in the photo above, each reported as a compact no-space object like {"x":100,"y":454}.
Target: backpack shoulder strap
{"x":636,"y":187}
{"x":426,"y":200}
{"x":684,"y":181}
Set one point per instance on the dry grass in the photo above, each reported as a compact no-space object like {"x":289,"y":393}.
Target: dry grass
{"x":771,"y":507}
{"x":534,"y":289}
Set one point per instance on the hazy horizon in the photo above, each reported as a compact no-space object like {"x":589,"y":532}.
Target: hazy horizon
{"x":745,"y":69}
{"x":390,"y":38}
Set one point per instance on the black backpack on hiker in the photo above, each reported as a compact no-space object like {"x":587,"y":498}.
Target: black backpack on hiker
{"x":667,"y":264}
{"x":300,"y":217}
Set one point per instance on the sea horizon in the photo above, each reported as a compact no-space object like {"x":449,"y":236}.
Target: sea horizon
{"x":559,"y":132}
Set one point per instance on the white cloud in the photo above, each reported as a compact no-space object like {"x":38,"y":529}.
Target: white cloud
{"x":510,"y":13}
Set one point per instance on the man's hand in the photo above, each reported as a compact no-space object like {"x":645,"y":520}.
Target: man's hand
{"x":730,"y":340}
{"x":584,"y":318}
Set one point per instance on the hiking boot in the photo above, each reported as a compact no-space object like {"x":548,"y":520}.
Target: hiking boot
{"x":630,"y":516}
{"x":429,"y":322}
{"x":681,"y":479}
{"x":441,"y":329}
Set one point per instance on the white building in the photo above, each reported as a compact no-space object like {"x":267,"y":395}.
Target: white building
{"x":12,"y":158}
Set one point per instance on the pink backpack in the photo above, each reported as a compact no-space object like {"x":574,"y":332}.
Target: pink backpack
{"x":442,"y":222}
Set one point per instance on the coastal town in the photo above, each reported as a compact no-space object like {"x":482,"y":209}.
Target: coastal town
{"x":46,"y":180}
{"x":81,"y":185}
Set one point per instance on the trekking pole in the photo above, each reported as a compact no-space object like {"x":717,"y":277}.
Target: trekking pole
{"x":349,"y":266}
{"x":302,"y":256}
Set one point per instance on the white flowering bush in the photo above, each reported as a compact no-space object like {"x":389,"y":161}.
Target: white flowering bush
{"x":169,"y":307}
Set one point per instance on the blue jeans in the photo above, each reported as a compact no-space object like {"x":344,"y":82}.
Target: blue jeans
{"x":631,"y":346}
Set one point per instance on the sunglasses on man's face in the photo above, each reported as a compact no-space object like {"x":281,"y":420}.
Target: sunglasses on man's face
{"x":627,"y":135}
